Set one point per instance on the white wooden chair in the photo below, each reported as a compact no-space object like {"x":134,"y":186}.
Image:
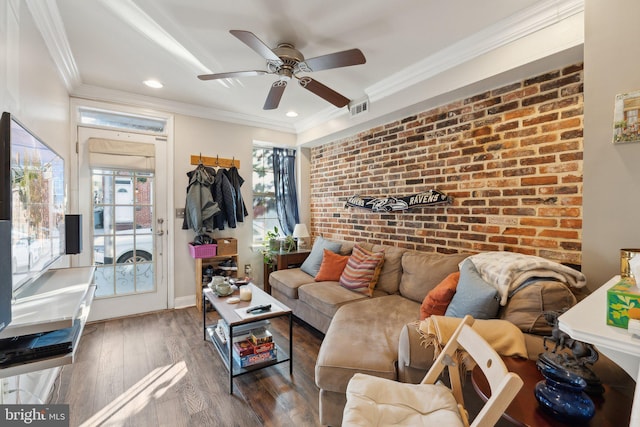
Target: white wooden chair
{"x":373,"y":401}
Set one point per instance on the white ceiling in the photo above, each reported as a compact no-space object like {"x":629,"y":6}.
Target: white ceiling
{"x":106,"y":48}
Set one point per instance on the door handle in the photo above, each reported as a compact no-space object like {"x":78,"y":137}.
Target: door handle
{"x":160,"y":231}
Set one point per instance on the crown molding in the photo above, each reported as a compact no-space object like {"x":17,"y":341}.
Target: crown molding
{"x":510,"y":29}
{"x":48,"y":21}
{"x":96,"y":93}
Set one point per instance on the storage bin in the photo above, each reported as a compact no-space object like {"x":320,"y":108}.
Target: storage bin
{"x":227,"y":246}
{"x":202,"y":251}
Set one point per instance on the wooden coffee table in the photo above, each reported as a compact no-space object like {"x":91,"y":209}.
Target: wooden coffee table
{"x":229,"y":314}
{"x":613,"y":409}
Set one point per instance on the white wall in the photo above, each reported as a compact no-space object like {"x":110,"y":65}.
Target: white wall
{"x":31,"y":87}
{"x":611,"y":172}
{"x":32,"y":90}
{"x":212,"y":138}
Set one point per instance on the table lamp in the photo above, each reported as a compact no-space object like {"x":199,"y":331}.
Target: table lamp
{"x":300,"y":232}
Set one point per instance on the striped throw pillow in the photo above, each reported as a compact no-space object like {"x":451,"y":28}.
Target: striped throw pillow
{"x":362,"y":270}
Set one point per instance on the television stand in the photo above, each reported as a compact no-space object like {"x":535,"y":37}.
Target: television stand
{"x":52,"y":302}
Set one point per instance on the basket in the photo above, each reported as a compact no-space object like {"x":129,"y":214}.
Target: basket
{"x":202,"y":251}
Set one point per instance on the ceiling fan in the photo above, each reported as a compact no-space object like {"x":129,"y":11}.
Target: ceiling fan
{"x":286,"y":62}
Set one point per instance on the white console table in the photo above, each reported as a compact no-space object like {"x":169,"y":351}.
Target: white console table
{"x":54,"y":301}
{"x":587,"y":321}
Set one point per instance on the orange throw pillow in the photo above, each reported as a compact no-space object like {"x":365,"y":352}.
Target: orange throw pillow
{"x":332,"y":266}
{"x":438,"y":298}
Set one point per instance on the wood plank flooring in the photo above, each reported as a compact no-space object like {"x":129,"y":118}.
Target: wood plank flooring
{"x":156,"y":370}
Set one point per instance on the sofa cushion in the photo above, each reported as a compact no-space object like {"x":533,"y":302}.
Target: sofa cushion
{"x":332,"y":266}
{"x":389,"y":280}
{"x":526,"y":306}
{"x":311,"y":265}
{"x":327,"y":297}
{"x":473,"y":295}
{"x":438,"y":298}
{"x":422,"y":271}
{"x":363,"y":337}
{"x":362,"y":270}
{"x":346,"y":247}
{"x":288,"y":281}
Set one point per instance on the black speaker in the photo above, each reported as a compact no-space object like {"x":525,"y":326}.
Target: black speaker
{"x":73,"y":234}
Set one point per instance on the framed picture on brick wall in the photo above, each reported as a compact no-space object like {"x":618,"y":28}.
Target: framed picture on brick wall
{"x":626,"y":123}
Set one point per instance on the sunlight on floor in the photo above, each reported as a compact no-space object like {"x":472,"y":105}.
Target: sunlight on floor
{"x":153,"y":386}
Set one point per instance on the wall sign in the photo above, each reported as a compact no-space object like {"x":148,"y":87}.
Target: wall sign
{"x":394,"y":204}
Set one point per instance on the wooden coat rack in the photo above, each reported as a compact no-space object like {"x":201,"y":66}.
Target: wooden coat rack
{"x":214,"y":162}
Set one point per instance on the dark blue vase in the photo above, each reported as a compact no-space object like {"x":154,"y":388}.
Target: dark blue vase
{"x":562,"y":395}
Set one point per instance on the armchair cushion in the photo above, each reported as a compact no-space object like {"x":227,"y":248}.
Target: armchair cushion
{"x":378,"y":401}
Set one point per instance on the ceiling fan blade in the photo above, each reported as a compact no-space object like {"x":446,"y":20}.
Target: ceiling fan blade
{"x":336,"y":60}
{"x":323,"y":91}
{"x":250,"y":39}
{"x":275,"y":93}
{"x":232,"y":74}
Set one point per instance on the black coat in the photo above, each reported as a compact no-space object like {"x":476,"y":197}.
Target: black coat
{"x":236,"y":182}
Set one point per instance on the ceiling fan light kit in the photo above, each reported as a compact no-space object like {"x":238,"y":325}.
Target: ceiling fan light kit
{"x":286,"y":62}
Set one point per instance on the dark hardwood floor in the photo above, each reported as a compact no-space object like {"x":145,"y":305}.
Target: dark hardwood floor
{"x":156,"y":370}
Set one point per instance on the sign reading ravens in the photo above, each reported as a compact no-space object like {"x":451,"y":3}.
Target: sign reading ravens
{"x":393,"y":204}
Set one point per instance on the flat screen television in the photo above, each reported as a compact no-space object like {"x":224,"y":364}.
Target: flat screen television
{"x":32,"y":191}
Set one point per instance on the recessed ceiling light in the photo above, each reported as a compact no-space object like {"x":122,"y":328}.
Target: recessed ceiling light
{"x":153,"y":83}
{"x":292,"y":114}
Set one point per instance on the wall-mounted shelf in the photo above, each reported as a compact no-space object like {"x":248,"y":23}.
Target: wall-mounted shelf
{"x":55,"y":301}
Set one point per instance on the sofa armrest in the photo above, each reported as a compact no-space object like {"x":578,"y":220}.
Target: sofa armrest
{"x":414,"y":360}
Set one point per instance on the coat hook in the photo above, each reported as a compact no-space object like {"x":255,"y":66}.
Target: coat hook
{"x":217,"y":160}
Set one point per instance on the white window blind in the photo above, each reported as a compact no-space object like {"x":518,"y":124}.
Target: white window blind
{"x":112,"y":154}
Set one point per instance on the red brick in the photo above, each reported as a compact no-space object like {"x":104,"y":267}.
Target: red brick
{"x":482,"y":147}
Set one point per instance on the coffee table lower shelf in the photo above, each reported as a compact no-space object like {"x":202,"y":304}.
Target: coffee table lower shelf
{"x":226,"y":350}
{"x":235,"y":369}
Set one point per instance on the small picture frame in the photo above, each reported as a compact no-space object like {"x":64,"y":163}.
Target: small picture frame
{"x":626,"y":118}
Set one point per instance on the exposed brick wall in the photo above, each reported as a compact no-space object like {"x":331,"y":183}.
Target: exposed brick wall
{"x":510,"y":157}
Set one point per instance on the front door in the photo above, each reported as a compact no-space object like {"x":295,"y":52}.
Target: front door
{"x":124,"y":210}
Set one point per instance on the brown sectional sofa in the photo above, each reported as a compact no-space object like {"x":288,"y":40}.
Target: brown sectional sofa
{"x":377,"y":335}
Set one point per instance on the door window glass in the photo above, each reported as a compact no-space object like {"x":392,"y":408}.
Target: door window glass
{"x":123,"y":238}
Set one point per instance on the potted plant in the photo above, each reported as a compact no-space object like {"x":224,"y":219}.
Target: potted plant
{"x":271,"y":245}
{"x":289,"y":244}
{"x":271,"y":239}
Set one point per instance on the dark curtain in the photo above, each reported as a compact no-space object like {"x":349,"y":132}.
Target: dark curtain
{"x":284,"y":179}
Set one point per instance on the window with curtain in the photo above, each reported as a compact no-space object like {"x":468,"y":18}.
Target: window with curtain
{"x":265,"y":214}
{"x":275,"y":201}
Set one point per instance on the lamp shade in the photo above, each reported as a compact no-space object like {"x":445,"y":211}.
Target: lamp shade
{"x":300,"y":231}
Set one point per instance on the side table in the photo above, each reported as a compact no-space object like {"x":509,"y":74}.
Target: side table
{"x":284,"y":260}
{"x":613,"y":409}
{"x":587,"y":321}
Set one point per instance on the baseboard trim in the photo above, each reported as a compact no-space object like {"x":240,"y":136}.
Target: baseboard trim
{"x":182,"y":302}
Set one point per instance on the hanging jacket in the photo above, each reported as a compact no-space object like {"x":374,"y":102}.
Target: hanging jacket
{"x":200,"y":206}
{"x":224,"y":196}
{"x":236,"y":182}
